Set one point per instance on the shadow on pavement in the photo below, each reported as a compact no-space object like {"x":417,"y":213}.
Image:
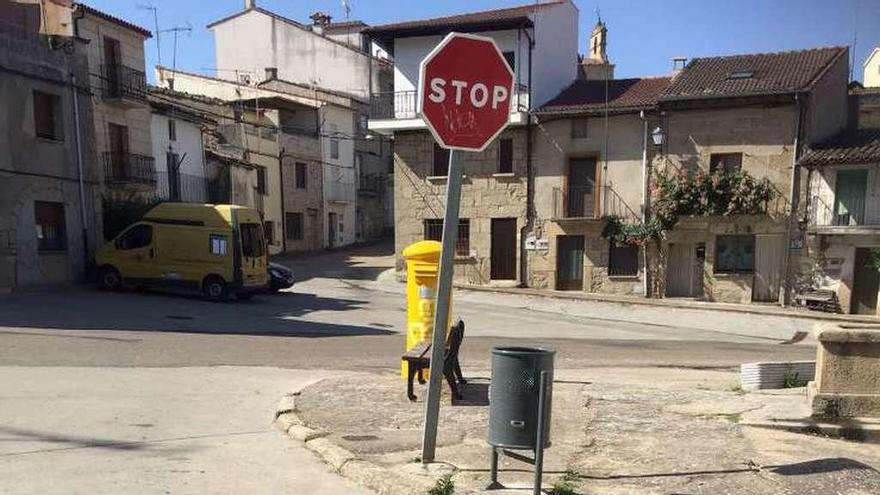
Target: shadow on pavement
{"x":341,"y":264}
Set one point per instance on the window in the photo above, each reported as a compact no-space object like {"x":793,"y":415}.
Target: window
{"x":137,"y":237}
{"x":334,"y":141}
{"x":434,"y":232}
{"x":294,"y":226}
{"x":218,"y":245}
{"x":50,"y":225}
{"x":361,"y":124}
{"x":261,"y":180}
{"x":726,"y":163}
{"x":742,"y":74}
{"x":269,"y":229}
{"x":505,"y":156}
{"x":252,"y":240}
{"x":48,"y":123}
{"x":623,"y":261}
{"x":735,"y":254}
{"x":441,"y":161}
{"x":172,"y":130}
{"x":301,"y":175}
{"x":510,"y":58}
{"x":579,"y":128}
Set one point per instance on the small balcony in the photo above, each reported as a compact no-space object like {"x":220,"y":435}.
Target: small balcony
{"x":339,"y":192}
{"x":124,"y":169}
{"x":185,"y":188}
{"x":402,"y":105}
{"x":372,"y":184}
{"x":123,"y":83}
{"x":851,"y":216}
{"x":583,"y":203}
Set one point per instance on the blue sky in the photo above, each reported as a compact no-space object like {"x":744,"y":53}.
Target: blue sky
{"x":644,"y":35}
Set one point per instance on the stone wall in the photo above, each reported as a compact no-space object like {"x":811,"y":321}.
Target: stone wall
{"x":309,"y":201}
{"x":485,"y":195}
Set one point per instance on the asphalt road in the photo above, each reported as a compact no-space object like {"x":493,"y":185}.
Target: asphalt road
{"x":337,"y":318}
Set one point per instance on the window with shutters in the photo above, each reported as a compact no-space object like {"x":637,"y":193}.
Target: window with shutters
{"x":50,"y":225}
{"x":48,"y":122}
{"x":434,"y":232}
{"x":441,"y":161}
{"x":301,"y":175}
{"x":505,"y":156}
{"x":334,"y":141}
{"x":262,"y":186}
{"x":172,"y":130}
{"x":623,"y":260}
{"x":294,"y":226}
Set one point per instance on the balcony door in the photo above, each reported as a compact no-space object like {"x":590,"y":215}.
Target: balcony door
{"x":112,"y":61}
{"x":581,"y":193}
{"x":849,"y":197}
{"x":118,"y":144}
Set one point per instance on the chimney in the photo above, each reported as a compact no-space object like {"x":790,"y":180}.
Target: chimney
{"x":678,"y":64}
{"x":250,"y":4}
{"x":319,"y":21}
{"x":271,"y":73}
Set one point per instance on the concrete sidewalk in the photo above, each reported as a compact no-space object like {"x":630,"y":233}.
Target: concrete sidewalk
{"x":615,"y":430}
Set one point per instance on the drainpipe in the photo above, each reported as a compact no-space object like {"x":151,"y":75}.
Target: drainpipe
{"x":644,"y":198}
{"x":794,"y":194}
{"x":79,"y":174}
{"x":283,"y":204}
{"x":530,"y":180}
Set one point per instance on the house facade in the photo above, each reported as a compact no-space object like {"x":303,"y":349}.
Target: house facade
{"x":50,"y":189}
{"x":178,"y":150}
{"x":122,"y":116}
{"x":752,"y":114}
{"x":539,"y":41}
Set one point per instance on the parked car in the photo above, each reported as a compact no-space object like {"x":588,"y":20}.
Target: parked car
{"x":280,"y":277}
{"x":216,"y":249}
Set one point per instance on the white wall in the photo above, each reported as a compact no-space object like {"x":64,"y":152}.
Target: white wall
{"x":871,"y":78}
{"x":188,"y":145}
{"x":340,"y":194}
{"x":254,"y":41}
{"x":556,"y":51}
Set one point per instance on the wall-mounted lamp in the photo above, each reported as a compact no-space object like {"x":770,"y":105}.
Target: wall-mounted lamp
{"x":658,"y":136}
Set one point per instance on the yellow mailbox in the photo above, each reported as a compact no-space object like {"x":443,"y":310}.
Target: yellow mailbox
{"x":422,"y":268}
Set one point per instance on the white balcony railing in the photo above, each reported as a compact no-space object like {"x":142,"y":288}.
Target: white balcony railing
{"x":404,"y":104}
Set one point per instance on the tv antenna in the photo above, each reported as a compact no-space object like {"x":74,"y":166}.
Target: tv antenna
{"x":156,"y":29}
{"x":177,"y":30}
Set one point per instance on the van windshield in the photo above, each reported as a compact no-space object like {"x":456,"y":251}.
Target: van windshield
{"x":252,"y":240}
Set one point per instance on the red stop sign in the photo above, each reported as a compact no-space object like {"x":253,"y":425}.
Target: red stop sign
{"x":465,"y":92}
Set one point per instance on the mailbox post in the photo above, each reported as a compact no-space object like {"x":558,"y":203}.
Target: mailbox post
{"x":465,"y":95}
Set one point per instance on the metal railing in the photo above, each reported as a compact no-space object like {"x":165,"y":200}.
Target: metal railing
{"x":180,"y":187}
{"x":581,"y":203}
{"x":342,"y":192}
{"x":852,"y":215}
{"x":120,"y":81}
{"x":404,"y":104}
{"x":128,"y":168}
{"x":372,"y":183}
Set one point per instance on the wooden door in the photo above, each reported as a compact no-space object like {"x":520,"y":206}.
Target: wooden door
{"x":680,"y":265}
{"x":849,"y":197}
{"x":112,"y":56}
{"x":866,"y":283}
{"x":769,"y":262}
{"x":570,"y":262}
{"x":503,"y":263}
{"x":118,"y":140}
{"x":581,"y":191}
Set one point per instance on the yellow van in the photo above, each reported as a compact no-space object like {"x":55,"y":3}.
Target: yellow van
{"x":218,"y":249}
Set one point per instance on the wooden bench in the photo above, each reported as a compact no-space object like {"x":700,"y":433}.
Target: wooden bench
{"x":418,"y":359}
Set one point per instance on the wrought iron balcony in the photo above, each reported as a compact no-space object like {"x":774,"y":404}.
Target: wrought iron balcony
{"x":129,"y":168}
{"x":121,"y":82}
{"x":181,"y":187}
{"x":584,"y":203}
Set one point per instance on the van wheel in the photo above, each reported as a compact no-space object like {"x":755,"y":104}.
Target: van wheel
{"x":214,"y":288}
{"x":109,"y":278}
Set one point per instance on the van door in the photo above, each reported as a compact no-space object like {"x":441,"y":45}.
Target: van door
{"x":137,"y":253}
{"x":254,"y":269}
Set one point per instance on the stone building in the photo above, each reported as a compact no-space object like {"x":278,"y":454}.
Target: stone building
{"x":753,"y":113}
{"x":122,"y":115}
{"x":842,"y":250}
{"x":49,"y":184}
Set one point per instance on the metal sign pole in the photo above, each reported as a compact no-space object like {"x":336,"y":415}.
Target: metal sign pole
{"x":441,"y":314}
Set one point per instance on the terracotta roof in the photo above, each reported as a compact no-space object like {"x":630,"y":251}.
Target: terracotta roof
{"x":623,"y":95}
{"x":849,"y":147}
{"x":756,"y":74}
{"x":469,"y":21}
{"x":345,"y":25}
{"x":116,"y":20}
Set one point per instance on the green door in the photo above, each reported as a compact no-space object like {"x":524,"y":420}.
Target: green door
{"x":849,"y":197}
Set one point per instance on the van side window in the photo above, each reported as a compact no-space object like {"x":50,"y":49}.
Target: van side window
{"x":138,"y":237}
{"x":218,"y":245}
{"x":252,"y":240}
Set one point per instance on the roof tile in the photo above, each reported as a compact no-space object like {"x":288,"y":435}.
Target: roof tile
{"x":849,"y":147}
{"x":623,"y":94}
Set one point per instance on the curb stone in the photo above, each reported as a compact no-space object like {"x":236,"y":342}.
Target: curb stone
{"x":367,"y":474}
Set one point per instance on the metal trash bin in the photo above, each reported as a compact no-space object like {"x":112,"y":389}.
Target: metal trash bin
{"x":514,"y":396}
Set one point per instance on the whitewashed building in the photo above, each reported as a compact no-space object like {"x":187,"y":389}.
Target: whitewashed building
{"x":179,"y":151}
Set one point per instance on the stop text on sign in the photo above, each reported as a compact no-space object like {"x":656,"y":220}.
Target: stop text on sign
{"x":478,"y":94}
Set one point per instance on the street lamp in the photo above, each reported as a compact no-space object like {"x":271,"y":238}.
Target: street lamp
{"x":658,"y":136}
